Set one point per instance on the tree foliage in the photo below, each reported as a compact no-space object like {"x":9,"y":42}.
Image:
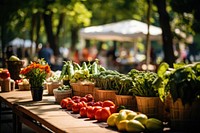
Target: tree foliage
{"x":56,"y":20}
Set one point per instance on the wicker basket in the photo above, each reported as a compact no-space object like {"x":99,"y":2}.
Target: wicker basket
{"x":80,"y":89}
{"x":102,"y":95}
{"x":59,"y":95}
{"x":127,"y":101}
{"x":14,"y":68}
{"x":151,"y":106}
{"x":24,"y":87}
{"x":51,"y":86}
{"x":184,"y":117}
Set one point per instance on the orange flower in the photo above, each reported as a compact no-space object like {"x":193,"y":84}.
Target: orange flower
{"x":36,"y":72}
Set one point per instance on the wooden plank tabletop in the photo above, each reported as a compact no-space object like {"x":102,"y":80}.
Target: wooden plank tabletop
{"x":50,"y":114}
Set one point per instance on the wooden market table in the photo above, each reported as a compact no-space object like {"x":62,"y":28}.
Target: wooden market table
{"x":47,"y":116}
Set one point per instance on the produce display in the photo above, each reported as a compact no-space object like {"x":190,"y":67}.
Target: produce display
{"x":106,"y":111}
{"x":74,"y":72}
{"x":181,"y":81}
{"x":119,"y":117}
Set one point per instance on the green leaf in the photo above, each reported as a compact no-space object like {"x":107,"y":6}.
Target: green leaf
{"x":162,"y":69}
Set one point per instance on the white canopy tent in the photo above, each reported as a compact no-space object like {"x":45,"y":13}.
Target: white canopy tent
{"x":127,"y":30}
{"x":18,"y":42}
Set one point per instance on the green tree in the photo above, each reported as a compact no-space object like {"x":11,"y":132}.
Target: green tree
{"x":7,"y":9}
{"x":167,"y":36}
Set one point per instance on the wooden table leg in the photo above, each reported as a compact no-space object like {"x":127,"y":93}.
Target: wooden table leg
{"x":17,"y":124}
{"x":0,"y":113}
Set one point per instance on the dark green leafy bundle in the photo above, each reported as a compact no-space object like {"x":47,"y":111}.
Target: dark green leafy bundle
{"x":184,"y":82}
{"x":125,"y":84}
{"x":106,"y":79}
{"x":143,"y":83}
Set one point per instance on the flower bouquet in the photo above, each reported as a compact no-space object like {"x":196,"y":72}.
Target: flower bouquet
{"x":36,"y":73}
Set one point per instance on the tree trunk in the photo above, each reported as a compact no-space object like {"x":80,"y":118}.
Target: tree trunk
{"x":33,"y":23}
{"x":49,"y":31}
{"x":61,"y":18}
{"x":74,"y":37}
{"x":166,"y":32}
{"x":38,"y":30}
{"x":3,"y":42}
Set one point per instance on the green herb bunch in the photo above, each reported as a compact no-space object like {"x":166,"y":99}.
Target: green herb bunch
{"x":144,"y":83}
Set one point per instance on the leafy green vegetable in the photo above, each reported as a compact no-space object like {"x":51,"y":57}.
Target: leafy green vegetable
{"x":143,"y":83}
{"x":182,"y":81}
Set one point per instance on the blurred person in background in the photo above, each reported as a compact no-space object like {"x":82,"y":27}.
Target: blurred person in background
{"x":47,"y":53}
{"x":76,"y":56}
{"x":9,"y":51}
{"x":102,"y":56}
{"x":111,"y":57}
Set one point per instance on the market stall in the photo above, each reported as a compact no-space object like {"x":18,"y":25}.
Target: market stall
{"x":127,"y":31}
{"x":88,"y":109}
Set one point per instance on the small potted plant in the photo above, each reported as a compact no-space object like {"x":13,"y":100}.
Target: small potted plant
{"x":36,"y":73}
{"x":180,"y":88}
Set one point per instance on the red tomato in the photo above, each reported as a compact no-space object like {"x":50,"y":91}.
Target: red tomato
{"x":68,"y":98}
{"x":63,"y":103}
{"x":97,"y":115}
{"x":69,"y":105}
{"x":99,"y":103}
{"x":96,"y":108}
{"x":84,"y":103}
{"x":90,"y":103}
{"x":102,"y":114}
{"x":91,"y":111}
{"x":77,"y":106}
{"x":4,"y":74}
{"x":83,"y":99}
{"x":77,"y":100}
{"x":89,"y":97}
{"x":108,"y":103}
{"x":83,"y":112}
{"x":76,"y":97}
{"x":113,"y":109}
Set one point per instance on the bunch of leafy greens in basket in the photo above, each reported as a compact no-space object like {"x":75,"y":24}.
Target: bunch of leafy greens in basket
{"x":182,"y":81}
{"x":113,"y":80}
{"x":105,"y":80}
{"x":144,"y":83}
{"x":64,"y":87}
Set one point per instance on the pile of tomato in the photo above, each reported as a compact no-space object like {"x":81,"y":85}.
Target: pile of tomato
{"x":4,"y":74}
{"x":88,"y":108}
